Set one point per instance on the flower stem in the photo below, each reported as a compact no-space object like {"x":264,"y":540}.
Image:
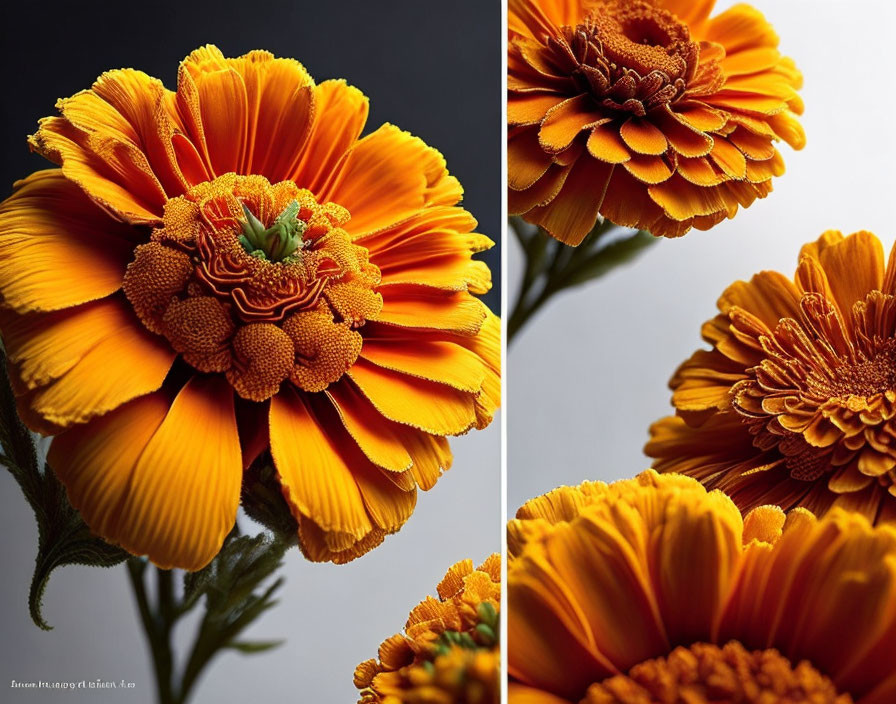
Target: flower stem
{"x":552,"y":266}
{"x":233,"y":591}
{"x":157,"y":625}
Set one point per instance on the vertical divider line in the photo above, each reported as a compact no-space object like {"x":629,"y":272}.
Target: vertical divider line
{"x":505,"y":296}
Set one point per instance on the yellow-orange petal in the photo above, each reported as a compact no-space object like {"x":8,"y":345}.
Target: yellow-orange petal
{"x":58,"y":249}
{"x":133,"y":474}
{"x":374,"y":434}
{"x":95,"y":461}
{"x":527,"y":162}
{"x":280,"y":96}
{"x":573,"y":212}
{"x":219,"y":107}
{"x":854,"y":265}
{"x":642,"y":136}
{"x":380,"y":181}
{"x":316,"y":481}
{"x":605,"y":143}
{"x":340,"y":113}
{"x":173,"y":513}
{"x":434,"y":360}
{"x":565,"y":121}
{"x":682,"y":200}
{"x":520,"y":694}
{"x":430,"y":453}
{"x":425,"y":405}
{"x":126,"y":362}
{"x":426,"y":309}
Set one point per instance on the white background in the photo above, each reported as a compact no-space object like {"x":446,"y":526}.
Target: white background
{"x":588,"y":375}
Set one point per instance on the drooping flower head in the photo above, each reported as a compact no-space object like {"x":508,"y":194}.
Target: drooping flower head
{"x":229,"y":270}
{"x":655,"y":590}
{"x":449,"y":652}
{"x":649,"y":113}
{"x":795,"y":404}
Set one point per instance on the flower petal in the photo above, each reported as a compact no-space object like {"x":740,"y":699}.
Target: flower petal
{"x":573,"y":212}
{"x":340,"y":113}
{"x":57,"y":249}
{"x":316,"y":480}
{"x":387,"y":177}
{"x":159,"y":479}
{"x":127,"y":361}
{"x":425,"y":405}
{"x":373,"y":433}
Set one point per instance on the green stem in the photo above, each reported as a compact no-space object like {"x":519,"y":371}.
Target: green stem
{"x":552,"y":266}
{"x":157,"y":625}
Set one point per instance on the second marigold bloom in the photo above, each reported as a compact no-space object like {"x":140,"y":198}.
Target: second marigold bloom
{"x":795,"y":404}
{"x":450,"y":653}
{"x":649,"y":113}
{"x":655,"y":590}
{"x":227,"y":270}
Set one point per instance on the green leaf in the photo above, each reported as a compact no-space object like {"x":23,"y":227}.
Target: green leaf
{"x":232,"y":602}
{"x":605,"y":259}
{"x":262,"y":500}
{"x":63,"y":537}
{"x":255,"y":646}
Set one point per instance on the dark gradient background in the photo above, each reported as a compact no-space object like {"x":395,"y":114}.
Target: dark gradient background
{"x":434,"y":70}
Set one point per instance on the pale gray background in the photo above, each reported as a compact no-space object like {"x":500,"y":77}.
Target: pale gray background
{"x":333,"y":617}
{"x":589,"y":374}
{"x":431,"y":68}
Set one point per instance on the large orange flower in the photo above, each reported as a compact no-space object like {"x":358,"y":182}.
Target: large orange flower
{"x":649,"y":113}
{"x":795,"y":404}
{"x":228,"y":269}
{"x":450,"y":653}
{"x":655,"y":590}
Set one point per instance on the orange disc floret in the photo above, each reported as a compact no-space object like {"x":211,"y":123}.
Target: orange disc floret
{"x":263,"y":356}
{"x":705,"y":673}
{"x":200,"y":328}
{"x":654,"y":589}
{"x":228,"y":275}
{"x":324,"y":349}
{"x":450,"y":652}
{"x":648,"y":113}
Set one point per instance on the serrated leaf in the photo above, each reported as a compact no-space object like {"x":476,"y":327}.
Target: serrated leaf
{"x":63,"y":537}
{"x":232,"y":603}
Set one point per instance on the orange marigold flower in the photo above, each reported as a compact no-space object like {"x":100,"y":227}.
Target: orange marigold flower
{"x":230,"y":269}
{"x":795,"y":404}
{"x":449,"y":653}
{"x":649,"y":113}
{"x":655,"y":590}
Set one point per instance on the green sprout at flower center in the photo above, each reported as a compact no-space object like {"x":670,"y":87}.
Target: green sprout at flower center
{"x":277,"y":243}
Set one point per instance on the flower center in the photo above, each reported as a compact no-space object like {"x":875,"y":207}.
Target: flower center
{"x":825,"y":393}
{"x":258,"y":282}
{"x":278,"y":242}
{"x":631,"y":57}
{"x":862,"y":377}
{"x":709,"y":673}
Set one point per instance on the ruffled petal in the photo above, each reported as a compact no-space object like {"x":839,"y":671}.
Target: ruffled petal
{"x":57,"y":249}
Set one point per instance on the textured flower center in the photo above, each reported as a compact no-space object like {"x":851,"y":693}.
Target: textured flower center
{"x":862,"y":376}
{"x":709,"y":673}
{"x":258,"y":282}
{"x":631,"y":57}
{"x":825,"y":394}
